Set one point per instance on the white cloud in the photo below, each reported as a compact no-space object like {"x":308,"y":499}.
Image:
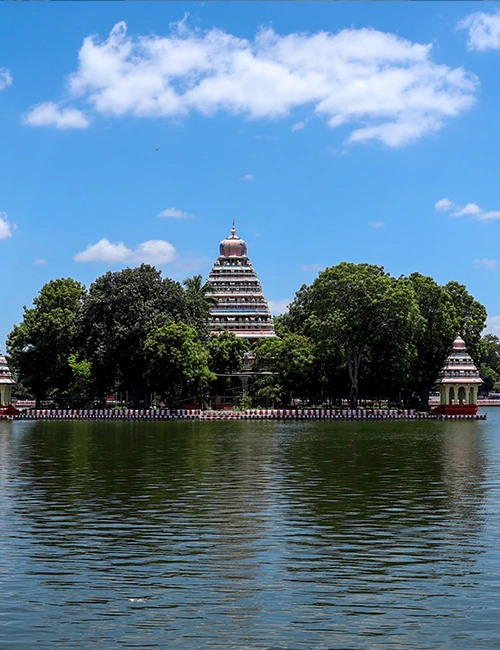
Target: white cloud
{"x":174,"y":213}
{"x":484,"y":30}
{"x":248,"y":177}
{"x":155,"y":251}
{"x":485,"y":263}
{"x":104,"y":251}
{"x":388,"y":86}
{"x":49,"y":114}
{"x":298,"y":126}
{"x":493,"y":325}
{"x":6,"y":227}
{"x":444,"y":204}
{"x":5,"y":78}
{"x":471,"y":209}
{"x":41,"y":262}
{"x":377,"y":224}
{"x":312,"y":267}
{"x":277,"y":307}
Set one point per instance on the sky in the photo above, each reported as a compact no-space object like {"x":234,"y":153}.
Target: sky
{"x":136,"y":132}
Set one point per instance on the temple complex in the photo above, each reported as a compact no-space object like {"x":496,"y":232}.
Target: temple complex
{"x":240,"y":305}
{"x":458,"y":382}
{"x":7,"y":382}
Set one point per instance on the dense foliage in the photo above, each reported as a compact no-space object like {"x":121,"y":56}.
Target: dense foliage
{"x":355,"y":332}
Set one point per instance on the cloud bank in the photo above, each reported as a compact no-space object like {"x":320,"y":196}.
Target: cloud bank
{"x":5,"y":227}
{"x":381,"y":86}
{"x":471,"y":210}
{"x":483,"y":29}
{"x":154,"y":251}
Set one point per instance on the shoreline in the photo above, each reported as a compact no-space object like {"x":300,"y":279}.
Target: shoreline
{"x":250,"y":414}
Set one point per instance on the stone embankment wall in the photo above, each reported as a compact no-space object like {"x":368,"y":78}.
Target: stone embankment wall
{"x":251,"y":414}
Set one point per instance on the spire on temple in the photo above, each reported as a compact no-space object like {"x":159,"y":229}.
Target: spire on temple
{"x":240,"y":305}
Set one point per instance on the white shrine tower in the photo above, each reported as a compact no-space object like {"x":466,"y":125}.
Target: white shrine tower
{"x":458,"y":382}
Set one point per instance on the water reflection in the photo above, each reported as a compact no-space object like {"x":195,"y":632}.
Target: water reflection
{"x":245,"y":534}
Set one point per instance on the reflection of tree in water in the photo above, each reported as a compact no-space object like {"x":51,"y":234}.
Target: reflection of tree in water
{"x":233,"y":529}
{"x":397,"y":497}
{"x":174,"y":506}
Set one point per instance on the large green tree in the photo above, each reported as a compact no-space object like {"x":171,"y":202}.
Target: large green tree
{"x":471,"y":315}
{"x":177,"y":363}
{"x":356,"y":309}
{"x":441,"y":324}
{"x":120,"y":312}
{"x":39,"y":347}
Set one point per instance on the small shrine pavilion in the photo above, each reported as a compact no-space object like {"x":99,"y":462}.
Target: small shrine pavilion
{"x":7,"y":382}
{"x":239,"y":304}
{"x":458,"y":382}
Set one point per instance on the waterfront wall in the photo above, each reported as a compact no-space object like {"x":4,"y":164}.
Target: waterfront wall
{"x":250,"y":414}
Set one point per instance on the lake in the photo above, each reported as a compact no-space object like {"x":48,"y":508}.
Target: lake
{"x":252,"y":534}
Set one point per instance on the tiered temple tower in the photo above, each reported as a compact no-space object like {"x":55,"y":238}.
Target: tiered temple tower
{"x":7,"y":382}
{"x":458,"y":382}
{"x":241,"y":307}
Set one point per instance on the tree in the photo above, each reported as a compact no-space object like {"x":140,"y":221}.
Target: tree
{"x":226,"y":352}
{"x":355,"y":309}
{"x":120,"y":312}
{"x":177,"y":362}
{"x":489,"y":367}
{"x":290,"y":362}
{"x":471,"y":316}
{"x":40,"y":345}
{"x":441,"y":324}
{"x":199,"y":302}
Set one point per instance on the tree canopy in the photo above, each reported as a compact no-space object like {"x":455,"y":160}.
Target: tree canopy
{"x":354,"y":331}
{"x":40,"y":345}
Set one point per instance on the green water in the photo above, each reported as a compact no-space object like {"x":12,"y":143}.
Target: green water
{"x":250,"y":534}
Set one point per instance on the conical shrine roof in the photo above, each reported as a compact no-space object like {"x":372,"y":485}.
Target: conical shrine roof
{"x":6,"y":376}
{"x":459,"y":368}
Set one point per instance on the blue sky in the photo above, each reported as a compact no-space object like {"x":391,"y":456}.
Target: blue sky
{"x":365,"y":132}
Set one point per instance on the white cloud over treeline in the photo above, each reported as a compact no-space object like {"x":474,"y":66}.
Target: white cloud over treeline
{"x":382,"y":86}
{"x":154,"y":251}
{"x":470,"y":209}
{"x":483,"y":30}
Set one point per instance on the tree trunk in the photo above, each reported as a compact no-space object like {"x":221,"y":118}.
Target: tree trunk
{"x":353,"y":366}
{"x":424,"y":397}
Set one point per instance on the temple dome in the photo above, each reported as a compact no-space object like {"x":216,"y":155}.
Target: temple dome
{"x":459,"y":343}
{"x":233,"y":246}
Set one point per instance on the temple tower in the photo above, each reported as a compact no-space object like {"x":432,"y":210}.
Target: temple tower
{"x":458,"y":382}
{"x":241,"y":307}
{"x":7,"y":382}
